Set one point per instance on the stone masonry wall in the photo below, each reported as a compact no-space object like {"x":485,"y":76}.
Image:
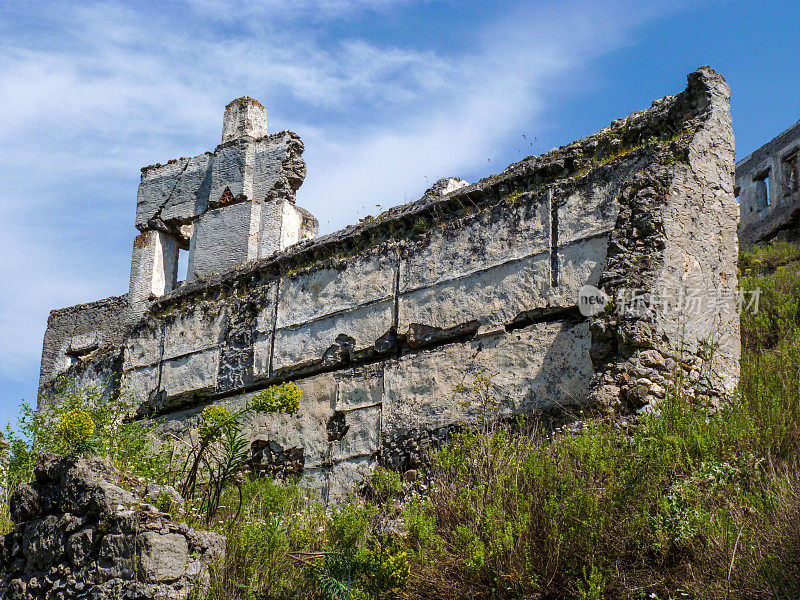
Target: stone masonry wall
{"x":381,"y":322}
{"x":84,"y":341}
{"x":81,"y":534}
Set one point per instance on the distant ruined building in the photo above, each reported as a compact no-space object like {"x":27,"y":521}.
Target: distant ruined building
{"x":381,"y":322}
{"x":768,"y":188}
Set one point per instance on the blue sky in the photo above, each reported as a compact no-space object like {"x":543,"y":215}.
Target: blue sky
{"x":388,"y":96}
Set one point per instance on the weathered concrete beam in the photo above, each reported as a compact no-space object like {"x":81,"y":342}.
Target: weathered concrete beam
{"x":154,"y":270}
{"x":172,"y":195}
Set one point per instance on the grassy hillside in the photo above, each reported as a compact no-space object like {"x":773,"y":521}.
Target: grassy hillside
{"x":684,"y":504}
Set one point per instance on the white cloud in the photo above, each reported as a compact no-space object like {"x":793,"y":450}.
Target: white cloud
{"x":246,"y":11}
{"x":111,"y":89}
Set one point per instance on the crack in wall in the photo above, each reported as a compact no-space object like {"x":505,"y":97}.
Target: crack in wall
{"x":553,"y":238}
{"x":160,"y":363}
{"x":396,"y":308}
{"x":274,"y":327}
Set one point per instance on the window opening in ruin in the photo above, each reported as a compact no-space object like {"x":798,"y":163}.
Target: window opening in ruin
{"x":183,"y":266}
{"x":79,"y":355}
{"x":790,"y":175}
{"x":184,"y":244}
{"x":737,"y":193}
{"x":761,"y":182}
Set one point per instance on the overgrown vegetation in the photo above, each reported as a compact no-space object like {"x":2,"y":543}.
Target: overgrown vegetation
{"x":684,"y":504}
{"x":687,"y":503}
{"x":217,"y":456}
{"x":79,"y":421}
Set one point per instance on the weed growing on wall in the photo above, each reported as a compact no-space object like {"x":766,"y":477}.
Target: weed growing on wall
{"x":476,"y":390}
{"x":219,"y":455}
{"x":283,"y":398}
{"x":213,"y":421}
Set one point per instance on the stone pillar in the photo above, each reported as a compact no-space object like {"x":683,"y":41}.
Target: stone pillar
{"x":283,"y":224}
{"x":154,"y":269}
{"x":244,"y":117}
{"x":252,"y":184}
{"x":296,"y":224}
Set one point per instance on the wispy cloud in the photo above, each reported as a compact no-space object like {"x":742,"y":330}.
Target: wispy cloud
{"x":245,"y":11}
{"x":101,"y":90}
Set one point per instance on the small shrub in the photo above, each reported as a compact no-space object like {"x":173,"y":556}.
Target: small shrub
{"x":471,"y":549}
{"x":274,"y":519}
{"x":593,"y":584}
{"x":212,"y":421}
{"x":382,"y":571}
{"x":132,"y":446}
{"x":77,"y":421}
{"x":421,"y":522}
{"x":385,"y":484}
{"x":365,"y":572}
{"x":76,"y":428}
{"x":420,"y":226}
{"x":358,"y":594}
{"x":479,"y":393}
{"x":220,"y":455}
{"x":283,"y":398}
{"x":164,"y":502}
{"x":348,"y":525}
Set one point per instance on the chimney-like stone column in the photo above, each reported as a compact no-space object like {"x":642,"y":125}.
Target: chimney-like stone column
{"x":244,"y":117}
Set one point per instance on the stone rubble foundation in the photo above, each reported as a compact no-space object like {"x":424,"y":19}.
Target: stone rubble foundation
{"x":79,"y":534}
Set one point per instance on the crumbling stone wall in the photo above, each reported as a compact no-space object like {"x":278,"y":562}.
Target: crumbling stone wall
{"x":675,"y":240}
{"x":86,"y":342}
{"x":768,"y":187}
{"x":80,"y":533}
{"x":382,"y":322}
{"x":228,"y":207}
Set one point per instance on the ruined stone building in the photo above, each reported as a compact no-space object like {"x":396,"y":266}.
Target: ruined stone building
{"x":768,"y":188}
{"x":381,"y":322}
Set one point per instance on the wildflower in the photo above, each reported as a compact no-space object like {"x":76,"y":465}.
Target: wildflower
{"x":75,"y":427}
{"x":214,"y":419}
